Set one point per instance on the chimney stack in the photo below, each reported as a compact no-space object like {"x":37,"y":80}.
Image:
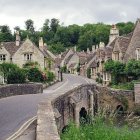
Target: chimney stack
{"x":88,"y":51}
{"x":17,"y":38}
{"x":101,"y":45}
{"x":41,"y":44}
{"x":75,"y":48}
{"x":93,"y":48}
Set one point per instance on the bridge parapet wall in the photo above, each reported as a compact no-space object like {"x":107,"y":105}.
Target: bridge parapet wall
{"x":57,"y":110}
{"x":20,"y":89}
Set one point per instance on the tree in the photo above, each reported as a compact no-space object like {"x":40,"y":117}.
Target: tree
{"x":57,"y":48}
{"x":29,"y":24}
{"x":5,"y":34}
{"x":17,"y":28}
{"x":133,"y":69}
{"x":54,"y":25}
{"x":46,"y":28}
{"x":86,"y":40}
{"x":117,"y":70}
{"x":125,"y":28}
{"x":74,"y":32}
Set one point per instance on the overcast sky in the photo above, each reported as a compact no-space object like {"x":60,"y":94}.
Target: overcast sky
{"x":16,"y":12}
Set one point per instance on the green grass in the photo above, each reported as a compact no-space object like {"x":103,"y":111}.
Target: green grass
{"x":124,"y":86}
{"x":100,"y":131}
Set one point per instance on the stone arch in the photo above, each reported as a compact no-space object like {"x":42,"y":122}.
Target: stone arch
{"x":120,"y":108}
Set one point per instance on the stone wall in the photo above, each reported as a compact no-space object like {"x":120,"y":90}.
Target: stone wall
{"x":137,"y":93}
{"x":20,"y":89}
{"x":114,"y":97}
{"x":57,"y":110}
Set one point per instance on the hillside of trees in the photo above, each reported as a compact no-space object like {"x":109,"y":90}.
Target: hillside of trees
{"x":59,"y":37}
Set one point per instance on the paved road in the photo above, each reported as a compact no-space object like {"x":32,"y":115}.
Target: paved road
{"x":16,"y":110}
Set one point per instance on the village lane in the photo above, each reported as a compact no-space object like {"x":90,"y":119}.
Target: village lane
{"x":16,"y":110}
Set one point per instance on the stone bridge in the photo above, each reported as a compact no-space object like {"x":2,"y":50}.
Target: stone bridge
{"x":55,"y":112}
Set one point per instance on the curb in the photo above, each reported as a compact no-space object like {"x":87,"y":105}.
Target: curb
{"x":22,"y":128}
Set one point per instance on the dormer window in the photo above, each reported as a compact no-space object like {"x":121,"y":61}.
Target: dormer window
{"x":138,"y":54}
{"x":2,"y":57}
{"x":28,"y":57}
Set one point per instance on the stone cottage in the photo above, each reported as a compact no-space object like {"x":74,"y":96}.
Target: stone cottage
{"x":119,"y":48}
{"x":21,"y":52}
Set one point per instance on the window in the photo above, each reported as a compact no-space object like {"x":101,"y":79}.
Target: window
{"x":116,"y":56}
{"x":2,"y":57}
{"x":28,"y":57}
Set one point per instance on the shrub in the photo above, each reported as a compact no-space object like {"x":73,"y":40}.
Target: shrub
{"x":133,"y":68}
{"x":50,"y":76}
{"x":16,"y":76}
{"x":35,"y":75}
{"x":31,"y":65}
{"x":117,"y":70}
{"x":5,"y":68}
{"x":64,"y":69}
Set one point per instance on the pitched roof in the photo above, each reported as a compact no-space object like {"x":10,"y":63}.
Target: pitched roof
{"x":93,"y":65}
{"x":134,"y":42}
{"x":48,"y":53}
{"x":57,"y":62}
{"x":108,"y":52}
{"x":10,"y":47}
{"x":68,"y":59}
{"x":73,"y":65}
{"x":81,"y":54}
{"x":82,"y":60}
{"x":90,"y":56}
{"x":123,"y":43}
{"x":64,"y":54}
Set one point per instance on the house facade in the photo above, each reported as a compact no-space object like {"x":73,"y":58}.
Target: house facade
{"x":119,"y":48}
{"x":21,"y":52}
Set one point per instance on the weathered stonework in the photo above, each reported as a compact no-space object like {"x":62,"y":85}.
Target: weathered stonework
{"x":137,"y":94}
{"x":20,"y":89}
{"x":55,"y":112}
{"x":28,"y":47}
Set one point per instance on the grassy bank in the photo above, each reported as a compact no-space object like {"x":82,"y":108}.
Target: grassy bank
{"x":100,"y":131}
{"x":104,"y":128}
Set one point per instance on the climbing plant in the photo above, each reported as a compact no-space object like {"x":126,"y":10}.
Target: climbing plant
{"x":117,"y":70}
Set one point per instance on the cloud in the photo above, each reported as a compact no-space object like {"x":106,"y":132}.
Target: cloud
{"x":16,"y":12}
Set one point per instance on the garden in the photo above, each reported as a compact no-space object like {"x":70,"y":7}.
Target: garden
{"x":30,"y":72}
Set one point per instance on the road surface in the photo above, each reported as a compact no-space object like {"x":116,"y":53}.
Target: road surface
{"x":16,"y":110}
